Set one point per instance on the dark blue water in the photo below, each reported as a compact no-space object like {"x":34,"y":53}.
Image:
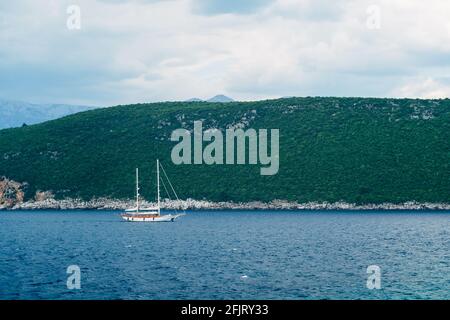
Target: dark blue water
{"x":226,"y":255}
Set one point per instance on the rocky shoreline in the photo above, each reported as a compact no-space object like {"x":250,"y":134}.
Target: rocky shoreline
{"x":191,"y":204}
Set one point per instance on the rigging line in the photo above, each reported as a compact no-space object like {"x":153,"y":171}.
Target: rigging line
{"x":165,"y":174}
{"x":168,"y":194}
{"x":164,"y":185}
{"x":168,"y":180}
{"x":165,"y":188}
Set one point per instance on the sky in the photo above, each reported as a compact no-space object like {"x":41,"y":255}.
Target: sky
{"x":165,"y":50}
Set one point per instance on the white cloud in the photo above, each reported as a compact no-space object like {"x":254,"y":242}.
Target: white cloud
{"x":134,"y":51}
{"x":423,"y":88}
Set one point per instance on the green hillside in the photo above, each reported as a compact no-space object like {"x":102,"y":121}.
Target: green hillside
{"x":359,"y":150}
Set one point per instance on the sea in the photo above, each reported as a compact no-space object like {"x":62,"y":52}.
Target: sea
{"x":226,"y":255}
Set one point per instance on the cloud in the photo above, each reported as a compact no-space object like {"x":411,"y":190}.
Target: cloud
{"x":213,"y":7}
{"x":136,"y":51}
{"x":310,"y":10}
{"x":423,"y":88}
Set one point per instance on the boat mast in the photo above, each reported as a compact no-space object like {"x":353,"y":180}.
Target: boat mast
{"x":137,"y":190}
{"x":157,"y":178}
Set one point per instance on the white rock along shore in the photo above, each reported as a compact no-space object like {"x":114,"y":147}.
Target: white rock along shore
{"x":191,"y":204}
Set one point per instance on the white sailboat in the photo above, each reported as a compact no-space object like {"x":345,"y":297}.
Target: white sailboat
{"x":153,"y":214}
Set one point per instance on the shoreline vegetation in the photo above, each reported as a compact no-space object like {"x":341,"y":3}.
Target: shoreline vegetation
{"x":191,"y":204}
{"x":351,"y":150}
{"x":335,"y":154}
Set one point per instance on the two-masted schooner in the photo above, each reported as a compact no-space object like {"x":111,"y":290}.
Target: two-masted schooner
{"x":153,"y":214}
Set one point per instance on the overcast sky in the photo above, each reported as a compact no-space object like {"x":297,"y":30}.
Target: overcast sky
{"x":157,"y":50}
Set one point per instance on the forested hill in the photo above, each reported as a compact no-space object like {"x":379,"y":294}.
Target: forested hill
{"x":360,"y":150}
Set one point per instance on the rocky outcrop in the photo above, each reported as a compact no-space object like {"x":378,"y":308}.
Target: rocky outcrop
{"x":43,"y":196}
{"x":11,"y":192}
{"x":191,"y":204}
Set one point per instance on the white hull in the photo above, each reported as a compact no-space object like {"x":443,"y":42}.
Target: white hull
{"x":163,"y":218}
{"x":138,"y":214}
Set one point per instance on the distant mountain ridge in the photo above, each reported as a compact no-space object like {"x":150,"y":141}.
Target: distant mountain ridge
{"x":220,"y":98}
{"x":217,"y":98}
{"x":16,"y":113}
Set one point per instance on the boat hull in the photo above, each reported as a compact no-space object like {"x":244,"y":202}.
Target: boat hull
{"x":150,"y":218}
